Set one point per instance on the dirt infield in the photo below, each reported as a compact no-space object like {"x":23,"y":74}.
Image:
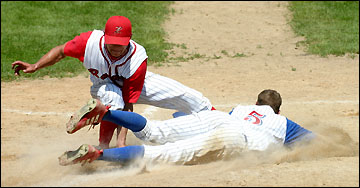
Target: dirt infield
{"x":321,"y":94}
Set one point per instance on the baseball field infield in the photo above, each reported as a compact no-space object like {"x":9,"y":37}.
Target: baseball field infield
{"x":319,"y":93}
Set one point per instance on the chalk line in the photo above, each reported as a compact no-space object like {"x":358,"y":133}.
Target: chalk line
{"x":297,"y":102}
{"x":151,"y":109}
{"x":36,"y":113}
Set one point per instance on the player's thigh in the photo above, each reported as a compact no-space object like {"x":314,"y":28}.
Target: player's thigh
{"x":223,"y":142}
{"x":157,"y":87}
{"x":165,"y":92}
{"x":183,"y":127}
{"x":108,"y":93}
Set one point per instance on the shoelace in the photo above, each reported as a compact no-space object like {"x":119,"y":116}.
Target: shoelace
{"x":92,"y":126}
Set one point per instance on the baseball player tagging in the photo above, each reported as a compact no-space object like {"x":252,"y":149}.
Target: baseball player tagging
{"x":118,"y":67}
{"x":187,"y":138}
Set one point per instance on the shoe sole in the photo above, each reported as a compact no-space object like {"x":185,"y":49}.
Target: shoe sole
{"x":68,"y":157}
{"x":76,"y":117}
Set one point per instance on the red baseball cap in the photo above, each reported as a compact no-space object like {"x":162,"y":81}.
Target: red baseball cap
{"x":118,"y":30}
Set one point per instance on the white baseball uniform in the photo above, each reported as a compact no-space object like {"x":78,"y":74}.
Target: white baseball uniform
{"x":157,"y":90}
{"x":187,"y":138}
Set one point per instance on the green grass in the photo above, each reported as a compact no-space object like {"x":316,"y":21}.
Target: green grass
{"x":29,"y":29}
{"x":329,"y":27}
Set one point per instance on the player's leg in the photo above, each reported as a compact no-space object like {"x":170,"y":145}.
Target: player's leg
{"x":131,"y":120}
{"x":167,"y":93}
{"x":108,"y":94}
{"x":221,"y":143}
{"x":106,"y":133}
{"x":90,"y":114}
{"x":182,"y":127}
{"x":168,"y":130}
{"x":88,"y":153}
{"x":94,"y":112}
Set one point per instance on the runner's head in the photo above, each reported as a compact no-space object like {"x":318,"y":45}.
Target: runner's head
{"x":271,"y":98}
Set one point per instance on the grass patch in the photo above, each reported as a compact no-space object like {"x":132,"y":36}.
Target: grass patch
{"x":239,"y":55}
{"x":29,"y":29}
{"x":330,"y":27}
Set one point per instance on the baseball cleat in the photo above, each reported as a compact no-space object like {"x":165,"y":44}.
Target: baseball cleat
{"x":85,"y":153}
{"x":90,"y":114}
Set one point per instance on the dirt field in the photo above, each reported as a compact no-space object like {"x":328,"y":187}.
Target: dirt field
{"x":321,"y":94}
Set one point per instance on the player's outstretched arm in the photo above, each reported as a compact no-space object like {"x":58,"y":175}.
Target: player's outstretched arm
{"x":50,"y":58}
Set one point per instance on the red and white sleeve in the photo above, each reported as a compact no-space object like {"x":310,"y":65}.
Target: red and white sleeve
{"x":76,"y":47}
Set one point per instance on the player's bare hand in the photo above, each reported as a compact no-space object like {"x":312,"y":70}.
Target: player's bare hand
{"x":128,"y":107}
{"x":25,"y":67}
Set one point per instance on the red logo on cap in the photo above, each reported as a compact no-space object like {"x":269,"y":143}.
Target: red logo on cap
{"x":118,"y":29}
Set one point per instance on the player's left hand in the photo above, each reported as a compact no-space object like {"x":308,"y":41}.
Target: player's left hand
{"x":20,"y":65}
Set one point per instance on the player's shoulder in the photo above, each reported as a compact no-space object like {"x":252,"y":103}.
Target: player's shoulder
{"x":137,"y":46}
{"x":253,"y":107}
{"x":264,"y":109}
{"x":96,"y":32}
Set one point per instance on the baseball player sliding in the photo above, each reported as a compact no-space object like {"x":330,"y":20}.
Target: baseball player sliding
{"x":118,"y":67}
{"x":189,"y":138}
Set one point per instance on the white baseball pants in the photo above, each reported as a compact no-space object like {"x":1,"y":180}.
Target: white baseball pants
{"x":158,"y":91}
{"x":207,"y":135}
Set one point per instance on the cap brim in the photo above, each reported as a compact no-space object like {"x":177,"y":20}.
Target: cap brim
{"x":116,"y":40}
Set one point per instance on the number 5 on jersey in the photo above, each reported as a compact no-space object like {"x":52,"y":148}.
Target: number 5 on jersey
{"x":255,"y":118}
